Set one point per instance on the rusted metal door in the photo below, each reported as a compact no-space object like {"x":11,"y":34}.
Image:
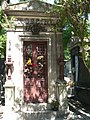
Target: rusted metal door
{"x":35,"y":72}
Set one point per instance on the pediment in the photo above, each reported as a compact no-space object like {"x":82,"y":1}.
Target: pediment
{"x":30,"y":13}
{"x":31,"y":9}
{"x":32,"y":5}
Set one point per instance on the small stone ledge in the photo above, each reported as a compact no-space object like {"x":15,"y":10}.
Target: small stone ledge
{"x":9,"y":84}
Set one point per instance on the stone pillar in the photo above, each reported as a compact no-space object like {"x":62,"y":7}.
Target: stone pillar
{"x":9,"y":84}
{"x":62,"y":97}
{"x":9,"y":93}
{"x":60,"y":56}
{"x":9,"y":99}
{"x":60,"y":83}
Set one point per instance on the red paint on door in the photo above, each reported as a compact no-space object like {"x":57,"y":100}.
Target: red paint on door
{"x":35,"y":72}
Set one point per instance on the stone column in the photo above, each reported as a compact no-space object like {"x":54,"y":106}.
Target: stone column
{"x":60,"y":83}
{"x":62,"y":97}
{"x":9,"y":93}
{"x":9,"y":85}
{"x":60,"y":56}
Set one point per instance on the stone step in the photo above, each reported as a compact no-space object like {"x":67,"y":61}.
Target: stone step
{"x":32,"y":115}
{"x":41,"y":115}
{"x":26,"y":114}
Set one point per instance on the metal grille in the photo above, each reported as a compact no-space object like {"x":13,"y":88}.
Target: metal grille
{"x":35,"y":72}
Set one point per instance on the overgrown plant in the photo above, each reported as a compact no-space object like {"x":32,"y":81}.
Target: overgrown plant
{"x":2,"y":34}
{"x":4,"y":23}
{"x":54,"y":105}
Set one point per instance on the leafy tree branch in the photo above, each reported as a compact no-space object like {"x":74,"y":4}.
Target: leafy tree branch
{"x":75,"y":13}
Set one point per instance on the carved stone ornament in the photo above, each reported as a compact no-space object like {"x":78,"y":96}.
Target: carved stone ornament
{"x":9,"y":67}
{"x":35,"y":29}
{"x":4,"y":4}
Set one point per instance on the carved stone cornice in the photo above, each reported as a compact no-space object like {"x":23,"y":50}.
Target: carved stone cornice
{"x":26,"y":15}
{"x":30,"y":14}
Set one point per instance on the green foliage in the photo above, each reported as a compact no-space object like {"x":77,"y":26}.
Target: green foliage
{"x":2,"y":34}
{"x":66,"y":38}
{"x":67,"y":35}
{"x":67,"y":54}
{"x":88,"y":29}
{"x":2,"y":18}
{"x":75,"y":13}
{"x":54,"y":105}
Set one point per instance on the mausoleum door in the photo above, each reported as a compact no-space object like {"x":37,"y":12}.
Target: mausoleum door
{"x":35,"y":71}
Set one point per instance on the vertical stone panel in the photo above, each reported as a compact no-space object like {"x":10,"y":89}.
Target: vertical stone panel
{"x":60,"y":56}
{"x":52,"y":67}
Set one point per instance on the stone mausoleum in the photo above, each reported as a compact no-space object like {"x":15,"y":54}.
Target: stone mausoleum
{"x":34,"y":55}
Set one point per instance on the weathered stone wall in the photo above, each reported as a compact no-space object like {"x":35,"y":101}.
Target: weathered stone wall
{"x":15,"y":40}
